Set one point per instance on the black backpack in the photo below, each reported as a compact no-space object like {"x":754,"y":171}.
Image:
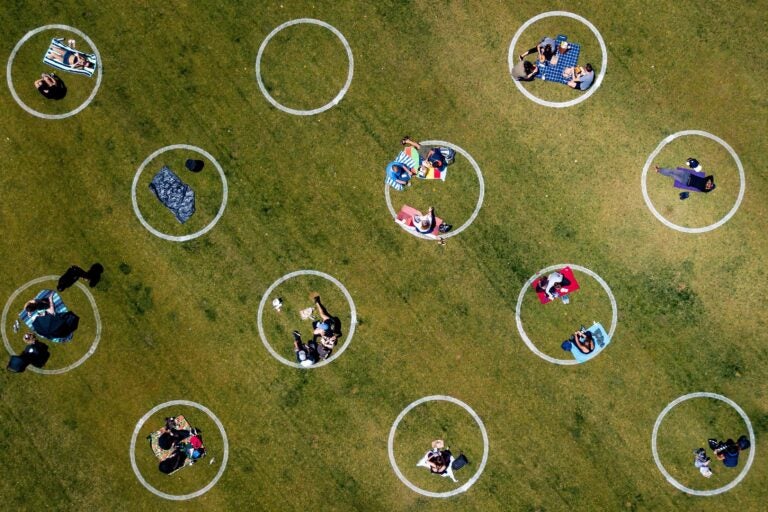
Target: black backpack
{"x":459,"y":462}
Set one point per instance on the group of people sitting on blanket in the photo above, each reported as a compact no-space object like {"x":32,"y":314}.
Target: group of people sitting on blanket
{"x":440,"y":461}
{"x":725,"y":451}
{"x":325,"y":334}
{"x":548,"y":52}
{"x":692,"y":178}
{"x":66,"y":58}
{"x":185,"y":445}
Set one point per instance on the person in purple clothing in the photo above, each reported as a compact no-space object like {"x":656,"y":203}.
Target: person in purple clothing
{"x":687,"y":178}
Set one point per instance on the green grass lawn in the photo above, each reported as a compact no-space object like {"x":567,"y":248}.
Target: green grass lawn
{"x":306,"y":192}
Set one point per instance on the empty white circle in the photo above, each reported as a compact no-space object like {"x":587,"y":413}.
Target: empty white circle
{"x":652,"y":157}
{"x":512,"y":59}
{"x":335,"y":101}
{"x":519,"y":306}
{"x":352,"y":321}
{"x":27,"y":36}
{"x":199,"y":492}
{"x":97,"y":318}
{"x":391,"y":447}
{"x":733,"y":483}
{"x":224,"y":193}
{"x":480,"y":198}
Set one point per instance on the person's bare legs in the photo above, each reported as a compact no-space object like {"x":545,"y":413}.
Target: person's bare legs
{"x":568,"y":72}
{"x":321,"y":309}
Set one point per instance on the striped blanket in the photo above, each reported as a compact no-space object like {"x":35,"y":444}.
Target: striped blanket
{"x":58,"y":304}
{"x":57,"y":56}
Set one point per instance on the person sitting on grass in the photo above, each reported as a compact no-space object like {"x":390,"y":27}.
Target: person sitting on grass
{"x":581,"y":77}
{"x":524,"y":71}
{"x":51,"y":86}
{"x":728,"y":451}
{"x":701,"y":461}
{"x":327,"y":331}
{"x":171,"y":436}
{"x":582,"y":339}
{"x":306,"y":355}
{"x":545,"y":50}
{"x":705,"y":184}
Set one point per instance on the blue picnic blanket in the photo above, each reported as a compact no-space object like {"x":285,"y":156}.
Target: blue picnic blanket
{"x":601,"y":341}
{"x":57,"y":45}
{"x":175,"y":195}
{"x":29,"y":317}
{"x":555,"y":73}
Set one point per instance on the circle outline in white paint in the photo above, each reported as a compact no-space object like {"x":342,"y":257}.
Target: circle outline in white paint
{"x":24,"y":39}
{"x":199,"y":492}
{"x":512,"y":59}
{"x":480,"y":198}
{"x":519,"y":306}
{"x":655,"y":153}
{"x":352,"y":316}
{"x":204,"y":230}
{"x":391,"y":450}
{"x":97,"y":318}
{"x":710,"y":492}
{"x":335,"y":101}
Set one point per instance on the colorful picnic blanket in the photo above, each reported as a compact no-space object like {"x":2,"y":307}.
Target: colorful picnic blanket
{"x":601,"y":341}
{"x":58,"y":46}
{"x":29,"y":317}
{"x":554,"y":72}
{"x":566,"y":290}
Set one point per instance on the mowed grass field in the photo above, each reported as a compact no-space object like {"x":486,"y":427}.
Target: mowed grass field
{"x":561,"y":186}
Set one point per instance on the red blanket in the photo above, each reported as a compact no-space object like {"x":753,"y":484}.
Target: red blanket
{"x":565,"y":290}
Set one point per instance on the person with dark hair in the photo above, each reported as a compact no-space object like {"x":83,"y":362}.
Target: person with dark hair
{"x":545,"y":50}
{"x":51,"y":86}
{"x":306,"y":355}
{"x":582,"y":339}
{"x":171,"y":435}
{"x":701,"y":462}
{"x":327,"y":331}
{"x":431,"y":156}
{"x":43,"y":306}
{"x":728,"y":451}
{"x":581,"y":77}
{"x":705,"y":184}
{"x":552,"y":284}
{"x":524,"y":71}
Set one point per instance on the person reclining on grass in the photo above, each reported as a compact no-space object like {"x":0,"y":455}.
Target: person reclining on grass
{"x":327,"y":331}
{"x":581,"y":77}
{"x":705,"y":184}
{"x":438,"y":458}
{"x":552,"y":284}
{"x":524,"y":71}
{"x":583,"y":340}
{"x":306,"y":355}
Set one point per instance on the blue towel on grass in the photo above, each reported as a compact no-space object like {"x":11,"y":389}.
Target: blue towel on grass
{"x":175,"y":195}
{"x":601,"y":341}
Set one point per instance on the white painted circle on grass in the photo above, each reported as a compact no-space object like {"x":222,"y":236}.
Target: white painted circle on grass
{"x":519,"y":306}
{"x":662,"y":145}
{"x":733,"y":483}
{"x":337,"y":352}
{"x":96,"y":316}
{"x":27,"y":36}
{"x":480,"y":198}
{"x":199,"y":492}
{"x":391,"y":447}
{"x":513,"y":59}
{"x":224,"y":193}
{"x":335,"y":101}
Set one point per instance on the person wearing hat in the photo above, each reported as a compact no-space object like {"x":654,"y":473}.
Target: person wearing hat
{"x":306,"y":355}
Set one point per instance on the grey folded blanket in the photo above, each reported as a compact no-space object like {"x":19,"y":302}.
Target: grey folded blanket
{"x":176,"y":195}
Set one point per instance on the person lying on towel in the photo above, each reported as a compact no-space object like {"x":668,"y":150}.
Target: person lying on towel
{"x":399,"y":173}
{"x":688,"y":178}
{"x":432,"y":159}
{"x":583,"y":340}
{"x":552,"y":284}
{"x":69,"y":57}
